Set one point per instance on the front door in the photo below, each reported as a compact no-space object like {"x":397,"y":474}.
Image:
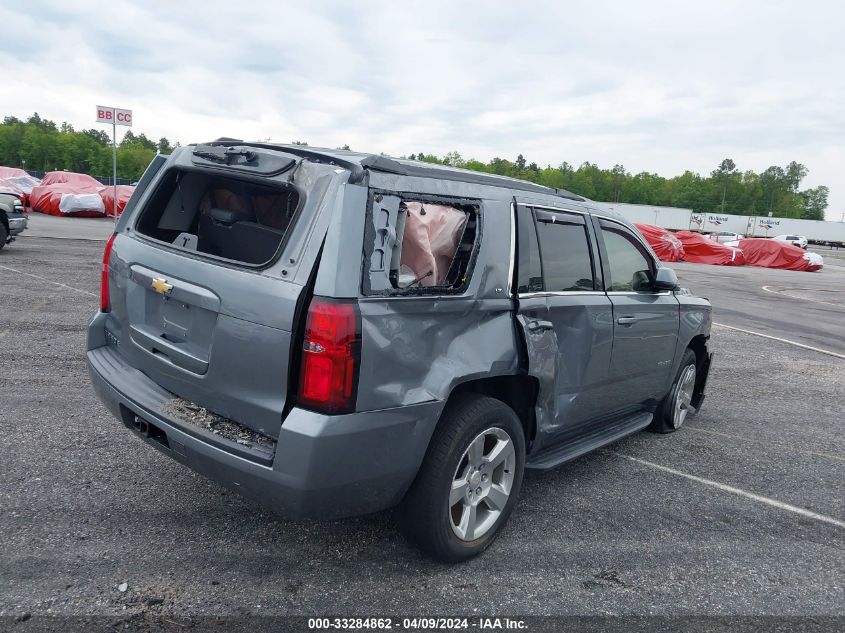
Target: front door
{"x":645,"y":322}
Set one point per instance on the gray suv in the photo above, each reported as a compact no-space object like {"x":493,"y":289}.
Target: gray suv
{"x":334,"y":333}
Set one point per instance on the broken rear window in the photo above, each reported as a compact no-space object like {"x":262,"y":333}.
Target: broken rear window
{"x":233,"y":219}
{"x":418,"y":245}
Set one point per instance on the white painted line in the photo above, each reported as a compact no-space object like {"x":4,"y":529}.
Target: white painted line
{"x":782,"y":340}
{"x":784,"y":294}
{"x":49,"y":281}
{"x":784,"y":447}
{"x":737,"y":491}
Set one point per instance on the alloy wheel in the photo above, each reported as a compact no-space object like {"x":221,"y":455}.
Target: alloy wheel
{"x":481,"y":485}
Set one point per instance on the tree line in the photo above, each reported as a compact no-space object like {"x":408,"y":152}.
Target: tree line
{"x":725,"y":190}
{"x":40,"y":144}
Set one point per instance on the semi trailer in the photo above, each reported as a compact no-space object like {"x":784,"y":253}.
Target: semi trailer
{"x":677,"y":219}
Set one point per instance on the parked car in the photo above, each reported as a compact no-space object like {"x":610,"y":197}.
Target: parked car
{"x":725,"y":236}
{"x":12,"y":217}
{"x":333,"y":333}
{"x":796,"y":240}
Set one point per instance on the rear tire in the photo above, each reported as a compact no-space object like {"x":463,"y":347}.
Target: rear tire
{"x":673,"y":411}
{"x":469,"y":481}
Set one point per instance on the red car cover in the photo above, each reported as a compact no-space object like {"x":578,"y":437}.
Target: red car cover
{"x":768,"y":253}
{"x":19,"y":180}
{"x":124,"y":192}
{"x":7,"y":186}
{"x":69,"y":177}
{"x":665,"y":245}
{"x":68,"y":200}
{"x":700,"y":250}
{"x":12,"y":172}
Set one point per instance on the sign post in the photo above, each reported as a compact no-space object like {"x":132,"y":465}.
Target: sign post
{"x":116,"y":117}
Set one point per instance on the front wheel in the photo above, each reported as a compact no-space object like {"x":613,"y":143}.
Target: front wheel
{"x":469,"y":481}
{"x":677,"y":406}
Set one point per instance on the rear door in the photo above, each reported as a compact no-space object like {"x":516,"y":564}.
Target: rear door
{"x":565,"y":314}
{"x":645,"y":322}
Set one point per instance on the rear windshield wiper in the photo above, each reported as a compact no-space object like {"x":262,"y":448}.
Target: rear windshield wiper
{"x":217,"y":154}
{"x":248,"y":154}
{"x":223,"y":154}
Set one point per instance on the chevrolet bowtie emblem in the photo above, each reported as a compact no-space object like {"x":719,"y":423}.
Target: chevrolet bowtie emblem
{"x":161,"y":286}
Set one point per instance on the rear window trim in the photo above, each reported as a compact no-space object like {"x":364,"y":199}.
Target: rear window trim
{"x":231,"y":263}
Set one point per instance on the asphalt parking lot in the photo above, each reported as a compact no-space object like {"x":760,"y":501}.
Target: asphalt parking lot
{"x":707,"y":521}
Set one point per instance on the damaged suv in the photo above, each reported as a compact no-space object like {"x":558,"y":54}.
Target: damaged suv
{"x":334,"y":333}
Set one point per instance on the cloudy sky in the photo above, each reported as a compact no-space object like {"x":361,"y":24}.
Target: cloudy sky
{"x":655,"y":86}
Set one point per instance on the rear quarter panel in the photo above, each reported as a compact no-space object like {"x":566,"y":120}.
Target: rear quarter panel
{"x":417,"y":349}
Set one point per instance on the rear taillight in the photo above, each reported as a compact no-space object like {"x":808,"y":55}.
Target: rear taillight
{"x":105,"y":303}
{"x":331,"y":351}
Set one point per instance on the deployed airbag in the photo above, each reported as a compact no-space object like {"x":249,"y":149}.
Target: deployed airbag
{"x":430,"y":241}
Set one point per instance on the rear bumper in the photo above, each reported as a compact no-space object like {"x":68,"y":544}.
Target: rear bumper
{"x":323,"y":466}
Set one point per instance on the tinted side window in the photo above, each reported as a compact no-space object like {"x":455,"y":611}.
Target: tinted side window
{"x":630,"y":268}
{"x":565,"y":252}
{"x":529,"y":275}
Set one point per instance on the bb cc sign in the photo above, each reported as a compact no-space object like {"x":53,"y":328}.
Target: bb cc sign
{"x":114,"y":116}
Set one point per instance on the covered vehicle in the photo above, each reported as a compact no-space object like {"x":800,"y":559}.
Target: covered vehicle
{"x":771,"y":253}
{"x":19,"y":180}
{"x":11,"y":172}
{"x":124,"y":192}
{"x":8,"y":186}
{"x":69,"y":177}
{"x":665,"y":245}
{"x":701,"y":250}
{"x":68,"y":200}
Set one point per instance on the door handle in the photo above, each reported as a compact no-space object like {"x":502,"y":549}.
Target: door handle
{"x":627,"y":320}
{"x":539,"y":326}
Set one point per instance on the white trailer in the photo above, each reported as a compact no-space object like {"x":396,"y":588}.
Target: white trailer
{"x":676,"y":219}
{"x":717,"y":222}
{"x":814,"y":230}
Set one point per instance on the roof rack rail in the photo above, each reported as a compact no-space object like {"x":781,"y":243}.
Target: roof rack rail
{"x":389,"y":165}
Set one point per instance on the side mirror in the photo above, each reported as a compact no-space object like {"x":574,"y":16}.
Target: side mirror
{"x":665,"y":279}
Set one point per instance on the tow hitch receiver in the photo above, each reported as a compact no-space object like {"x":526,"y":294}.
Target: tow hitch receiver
{"x":149,"y":431}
